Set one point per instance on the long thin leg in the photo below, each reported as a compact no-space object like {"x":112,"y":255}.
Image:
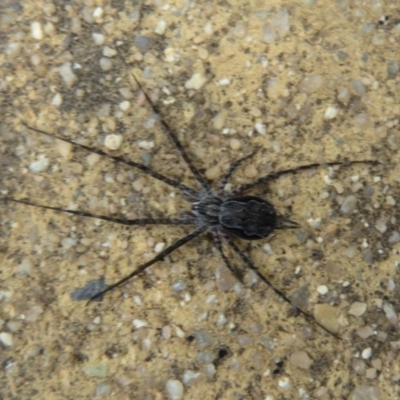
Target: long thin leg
{"x":218,"y":243}
{"x":148,"y":171}
{"x":275,"y":175}
{"x":137,"y":221}
{"x":250,"y":265}
{"x":230,"y":171}
{"x":190,"y":236}
{"x":199,"y":177}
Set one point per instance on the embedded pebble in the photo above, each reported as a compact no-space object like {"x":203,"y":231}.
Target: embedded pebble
{"x":146,"y":144}
{"x":327,"y":316}
{"x":204,"y":339}
{"x":25,"y":268}
{"x":125,"y":105}
{"x":366,"y":353}
{"x":174,"y":389}
{"x":365,"y":332}
{"x":189,"y":377}
{"x":64,"y":148}
{"x":261,"y":128}
{"x":349,"y":205}
{"x":40,"y":165}
{"x":109,"y":52}
{"x":311,"y":84}
{"x":138,"y":323}
{"x":160,"y":27}
{"x":357,"y":309}
{"x":220,"y":119}
{"x":213,"y":172}
{"x":196,"y":81}
{"x":179,"y":286}
{"x":95,"y":370}
{"x":166,"y":332}
{"x":98,"y":38}
{"x":300,"y":359}
{"x":143,"y":43}
{"x":224,"y":278}
{"x":6,"y":339}
{"x":235,"y":144}
{"x":394,"y":237}
{"x":284,"y":383}
{"x":56,"y":101}
{"x":105,"y":63}
{"x":68,"y":243}
{"x":245,"y":340}
{"x":159,"y":247}
{"x":102,"y":389}
{"x":331,"y":113}
{"x":344,"y":96}
{"x":322,"y":289}
{"x":36,"y":29}
{"x":67,"y":74}
{"x":113,"y":142}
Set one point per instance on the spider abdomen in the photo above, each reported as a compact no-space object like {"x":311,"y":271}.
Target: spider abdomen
{"x":248,"y":217}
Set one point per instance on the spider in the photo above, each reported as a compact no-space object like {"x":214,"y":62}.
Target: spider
{"x":226,"y":216}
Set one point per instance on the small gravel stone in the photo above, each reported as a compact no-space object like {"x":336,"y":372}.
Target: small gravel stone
{"x":357,"y":309}
{"x":138,"y":323}
{"x":235,"y":144}
{"x":98,"y":38}
{"x":365,"y":332}
{"x":284,"y":383}
{"x":64,"y":148}
{"x":95,"y":370}
{"x":364,"y":392}
{"x":6,"y":339}
{"x":204,"y":339}
{"x":160,"y":27}
{"x":300,"y":359}
{"x":166,"y":332}
{"x":197,"y":81}
{"x":174,"y":389}
{"x":220,"y":119}
{"x":189,"y":377}
{"x":331,"y":113}
{"x":327,"y":316}
{"x":159,"y":247}
{"x":67,"y":74}
{"x":25,"y":268}
{"x":366,"y":353}
{"x":311,"y":84}
{"x":322,"y":289}
{"x":105,"y":63}
{"x":179,"y":286}
{"x":113,"y":142}
{"x":224,"y":278}
{"x":40,"y":165}
{"x":394,"y":237}
{"x":349,"y":205}
{"x":102,"y":389}
{"x":260,"y":128}
{"x":36,"y":29}
{"x":146,"y":144}
{"x":109,"y":52}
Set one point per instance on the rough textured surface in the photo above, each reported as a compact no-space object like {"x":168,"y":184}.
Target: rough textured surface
{"x":230,"y":77}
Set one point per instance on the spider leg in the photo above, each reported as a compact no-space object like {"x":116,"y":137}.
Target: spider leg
{"x":275,"y":175}
{"x":122,"y":221}
{"x":169,"y":181}
{"x":230,"y":171}
{"x":218,"y":244}
{"x":250,"y":265}
{"x":171,"y":134}
{"x":190,"y":236}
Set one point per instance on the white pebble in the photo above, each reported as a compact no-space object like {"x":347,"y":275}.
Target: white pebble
{"x":67,"y":74}
{"x":113,"y":142}
{"x":196,"y":81}
{"x":6,"y":339}
{"x":322,"y":289}
{"x":366,"y":353}
{"x":160,"y":27}
{"x":260,"y":128}
{"x":331,"y":113}
{"x":98,"y":38}
{"x":57,"y":100}
{"x":174,"y":389}
{"x":224,"y":82}
{"x":146,"y":144}
{"x":159,"y":247}
{"x":138,"y":323}
{"x":125,"y":105}
{"x":109,"y":52}
{"x":40,"y":165}
{"x":36,"y":30}
{"x":97,"y":13}
{"x":284,"y":383}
